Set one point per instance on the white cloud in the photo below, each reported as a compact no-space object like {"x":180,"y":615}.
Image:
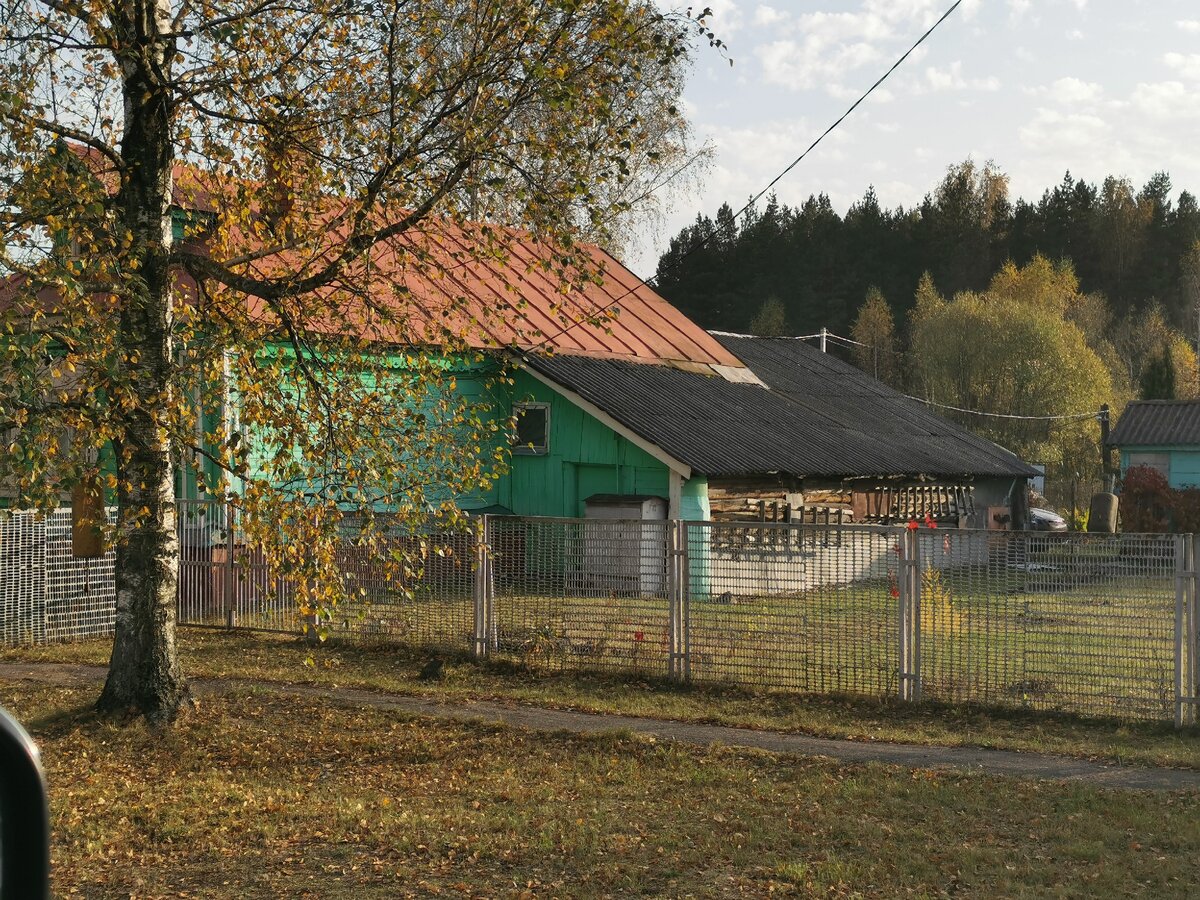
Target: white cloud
{"x":951,"y":79}
{"x":1187,"y":66}
{"x":1170,"y":101}
{"x":768,"y":15}
{"x":1070,"y":91}
{"x":726,"y":18}
{"x":810,"y":64}
{"x":1018,"y":8}
{"x":1191,"y":26}
{"x":1062,"y":133}
{"x":826,"y":47}
{"x":969,"y":8}
{"x":1074,"y":35}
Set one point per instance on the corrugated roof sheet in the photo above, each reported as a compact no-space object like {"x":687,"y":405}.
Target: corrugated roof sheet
{"x":480,"y":283}
{"x":1156,"y":422}
{"x":817,"y":416}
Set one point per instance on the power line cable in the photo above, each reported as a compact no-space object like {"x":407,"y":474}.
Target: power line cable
{"x":700,"y":244}
{"x":976,"y":412}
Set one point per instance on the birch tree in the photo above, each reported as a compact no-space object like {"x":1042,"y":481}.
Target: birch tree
{"x":326,"y":152}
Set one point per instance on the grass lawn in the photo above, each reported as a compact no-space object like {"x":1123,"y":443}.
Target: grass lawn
{"x":277,"y":658}
{"x":251,"y":797}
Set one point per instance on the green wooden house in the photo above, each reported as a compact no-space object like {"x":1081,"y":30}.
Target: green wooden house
{"x":615,"y":393}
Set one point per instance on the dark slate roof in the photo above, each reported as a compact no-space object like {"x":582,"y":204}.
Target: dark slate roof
{"x":818,"y":416}
{"x":1157,"y":422}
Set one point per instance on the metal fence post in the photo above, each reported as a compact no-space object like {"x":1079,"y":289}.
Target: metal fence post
{"x":1184,"y":579}
{"x":909,"y":619}
{"x":902,"y":634}
{"x":914,"y":595}
{"x":230,"y":605}
{"x":479,"y":647}
{"x":1192,"y":615}
{"x":685,"y":600}
{"x":490,"y":629}
{"x":676,"y":591}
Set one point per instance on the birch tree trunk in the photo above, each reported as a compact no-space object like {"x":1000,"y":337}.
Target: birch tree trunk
{"x":144,"y":674}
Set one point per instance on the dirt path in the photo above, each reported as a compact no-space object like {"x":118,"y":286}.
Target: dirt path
{"x":990,"y":762}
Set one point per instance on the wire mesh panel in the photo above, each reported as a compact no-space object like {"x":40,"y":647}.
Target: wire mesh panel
{"x":81,"y":593}
{"x":22,"y":578}
{"x":582,"y":593}
{"x":203,"y":562}
{"x":808,"y":608}
{"x":256,"y":598}
{"x":1075,"y":622}
{"x":223,"y":581}
{"x":48,"y":594}
{"x":411,"y":589}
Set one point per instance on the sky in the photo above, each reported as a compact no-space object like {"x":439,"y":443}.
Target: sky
{"x":1098,"y":87}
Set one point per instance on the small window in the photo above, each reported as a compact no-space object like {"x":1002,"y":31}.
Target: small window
{"x":532,"y":435}
{"x":1161,"y":462}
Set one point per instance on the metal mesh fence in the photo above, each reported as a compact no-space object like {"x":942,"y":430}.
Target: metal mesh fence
{"x":581,"y":593}
{"x":811,"y":608}
{"x":1090,"y":624}
{"x":46,"y":593}
{"x":202,"y":526}
{"x":81,"y":594}
{"x":1075,"y":622}
{"x":414,"y":589}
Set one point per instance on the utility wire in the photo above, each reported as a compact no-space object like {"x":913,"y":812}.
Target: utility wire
{"x":700,"y":244}
{"x":976,"y":412}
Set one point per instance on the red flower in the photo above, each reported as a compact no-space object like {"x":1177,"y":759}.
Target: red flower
{"x":895,"y":591}
{"x":639,"y":635}
{"x":929,"y":523}
{"x":912,"y":525}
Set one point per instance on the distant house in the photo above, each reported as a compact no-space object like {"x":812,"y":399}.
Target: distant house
{"x":1161,"y":434}
{"x":790,"y":434}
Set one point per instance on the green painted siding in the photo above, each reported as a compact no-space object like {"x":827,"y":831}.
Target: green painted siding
{"x":585,"y":457}
{"x":1184,"y":463}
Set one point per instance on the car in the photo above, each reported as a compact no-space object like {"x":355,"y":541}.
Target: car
{"x":24,"y":816}
{"x":1046,"y":520}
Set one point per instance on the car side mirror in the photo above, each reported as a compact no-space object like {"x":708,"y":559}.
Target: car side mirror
{"x":24,"y":816}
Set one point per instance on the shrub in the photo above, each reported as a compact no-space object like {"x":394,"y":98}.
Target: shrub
{"x":1185,"y":511}
{"x":1146,"y":501}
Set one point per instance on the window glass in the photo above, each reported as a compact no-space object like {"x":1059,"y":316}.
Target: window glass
{"x":533,"y":428}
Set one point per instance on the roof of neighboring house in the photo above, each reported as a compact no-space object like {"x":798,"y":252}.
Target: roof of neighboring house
{"x":1157,"y":422}
{"x":487,"y":285}
{"x":815,"y":416}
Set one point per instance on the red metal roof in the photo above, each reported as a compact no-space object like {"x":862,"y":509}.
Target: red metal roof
{"x":488,"y":286}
